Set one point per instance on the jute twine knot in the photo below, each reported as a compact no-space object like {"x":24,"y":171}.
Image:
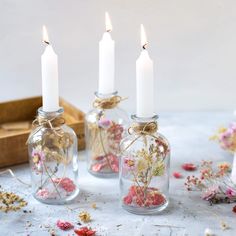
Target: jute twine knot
{"x":53,"y":123}
{"x":107,"y":103}
{"x":143,"y":128}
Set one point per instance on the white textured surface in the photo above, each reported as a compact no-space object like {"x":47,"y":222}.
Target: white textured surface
{"x":186,"y":215}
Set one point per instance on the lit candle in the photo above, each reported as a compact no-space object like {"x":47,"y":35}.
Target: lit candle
{"x":144,"y":80}
{"x":49,"y":76}
{"x":106,"y":60}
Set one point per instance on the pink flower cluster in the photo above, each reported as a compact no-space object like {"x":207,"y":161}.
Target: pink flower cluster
{"x":210,"y":193}
{"x":104,"y":123}
{"x":115,"y":132}
{"x":64,"y":225}
{"x":129,"y":163}
{"x":227,"y":138}
{"x":142,"y":197}
{"x":66,"y":183}
{"x":230,"y":193}
{"x":38,"y":158}
{"x":103,"y":163}
{"x":43,"y":193}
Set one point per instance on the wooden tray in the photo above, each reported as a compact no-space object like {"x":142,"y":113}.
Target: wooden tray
{"x":15,"y":125}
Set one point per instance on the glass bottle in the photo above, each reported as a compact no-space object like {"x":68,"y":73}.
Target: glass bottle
{"x":53,"y":158}
{"x":144,"y":168}
{"x":104,"y":129}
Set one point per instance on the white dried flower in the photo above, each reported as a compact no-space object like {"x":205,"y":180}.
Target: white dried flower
{"x":224,"y":225}
{"x":208,"y":232}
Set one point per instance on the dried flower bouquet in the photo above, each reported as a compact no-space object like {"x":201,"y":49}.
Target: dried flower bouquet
{"x":104,"y":144}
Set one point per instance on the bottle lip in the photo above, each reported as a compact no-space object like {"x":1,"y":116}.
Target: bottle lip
{"x":105,"y":95}
{"x":43,"y":113}
{"x":138,"y":119}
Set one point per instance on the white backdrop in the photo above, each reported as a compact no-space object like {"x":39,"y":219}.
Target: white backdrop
{"x":192,"y":43}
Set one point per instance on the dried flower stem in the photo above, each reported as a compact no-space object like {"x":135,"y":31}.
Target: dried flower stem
{"x":51,"y":179}
{"x":101,"y":140}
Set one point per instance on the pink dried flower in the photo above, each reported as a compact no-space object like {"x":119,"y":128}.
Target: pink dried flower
{"x":106,"y":161}
{"x":43,"y":193}
{"x":104,"y":123}
{"x":227,"y":138}
{"x":210,"y":193}
{"x":37,"y":156}
{"x":177,"y":175}
{"x":136,"y":196}
{"x":64,"y":225}
{"x":230,"y":193}
{"x":85,"y":231}
{"x":66,"y":183}
{"x":189,"y":167}
{"x":115,"y":132}
{"x":129,"y":163}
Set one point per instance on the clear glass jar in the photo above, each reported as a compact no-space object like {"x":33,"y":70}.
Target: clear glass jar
{"x":144,"y":168}
{"x":53,"y":159}
{"x":104,"y":129}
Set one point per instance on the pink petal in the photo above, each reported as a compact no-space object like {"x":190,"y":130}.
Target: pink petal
{"x":189,"y":167}
{"x":177,"y":175}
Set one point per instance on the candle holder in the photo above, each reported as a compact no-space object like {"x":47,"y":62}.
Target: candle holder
{"x":144,"y":168}
{"x":105,"y":127}
{"x":52,"y":147}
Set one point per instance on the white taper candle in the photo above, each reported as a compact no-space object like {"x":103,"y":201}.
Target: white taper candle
{"x":49,"y":63}
{"x":145,"y":81}
{"x":106,"y":60}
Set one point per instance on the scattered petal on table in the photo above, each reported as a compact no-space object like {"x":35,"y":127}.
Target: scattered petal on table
{"x":177,"y":175}
{"x":64,"y":225}
{"x":189,"y":167}
{"x":85,"y":231}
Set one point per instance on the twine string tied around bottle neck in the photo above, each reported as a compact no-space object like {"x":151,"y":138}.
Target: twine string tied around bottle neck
{"x":142,"y":129}
{"x":53,"y":123}
{"x":148,"y":128}
{"x":107,"y":103}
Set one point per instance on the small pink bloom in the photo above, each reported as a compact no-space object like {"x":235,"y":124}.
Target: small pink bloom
{"x":210,"y":193}
{"x":129,"y":163}
{"x":85,"y":231}
{"x":43,"y":193}
{"x":66,"y":183}
{"x":64,"y":225}
{"x":177,"y":175}
{"x":37,"y":156}
{"x":128,"y":200}
{"x":230,"y":193}
{"x":189,"y":167}
{"x":114,"y":162}
{"x":108,"y":161}
{"x":104,"y":123}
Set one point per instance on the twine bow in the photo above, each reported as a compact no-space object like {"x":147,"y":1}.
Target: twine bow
{"x":53,"y":123}
{"x":107,"y":103}
{"x":142,"y":129}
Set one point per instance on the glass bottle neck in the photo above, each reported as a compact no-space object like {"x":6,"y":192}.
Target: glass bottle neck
{"x":49,"y":115}
{"x":105,"y":96}
{"x":144,"y":120}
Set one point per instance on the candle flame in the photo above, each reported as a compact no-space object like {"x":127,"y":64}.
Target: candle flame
{"x":108,"y":22}
{"x":144,"y":41}
{"x":45,"y":35}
